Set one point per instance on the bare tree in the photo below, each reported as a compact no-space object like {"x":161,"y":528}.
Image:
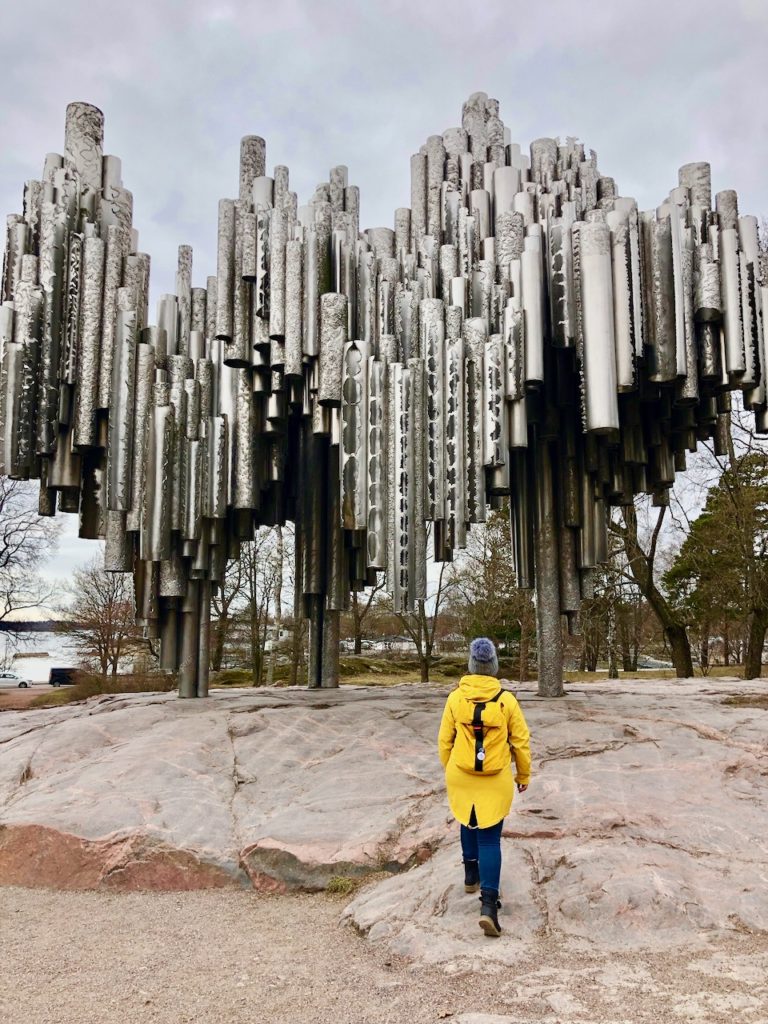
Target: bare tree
{"x":484,"y":595}
{"x":420,"y":625}
{"x":101,"y":620}
{"x":224,"y":606}
{"x":642,"y":568}
{"x":360,"y":607}
{"x":278,"y":602}
{"x":26,"y":539}
{"x":297,"y":651}
{"x":251,"y":605}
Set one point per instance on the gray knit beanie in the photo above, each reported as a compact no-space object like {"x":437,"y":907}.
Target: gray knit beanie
{"x":482,"y":657}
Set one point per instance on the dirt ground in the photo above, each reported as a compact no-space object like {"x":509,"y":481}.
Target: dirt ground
{"x":232,"y":958}
{"x":17,"y":698}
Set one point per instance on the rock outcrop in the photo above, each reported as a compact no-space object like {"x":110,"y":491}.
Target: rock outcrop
{"x":646,"y":823}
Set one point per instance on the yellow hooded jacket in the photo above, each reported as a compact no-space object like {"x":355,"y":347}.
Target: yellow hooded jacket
{"x":490,"y":795}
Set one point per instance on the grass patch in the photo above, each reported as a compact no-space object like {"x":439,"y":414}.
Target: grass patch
{"x":717,"y":672}
{"x":88,"y":685}
{"x":53,"y":699}
{"x":232,"y":677}
{"x":342,"y":885}
{"x":748,"y":700}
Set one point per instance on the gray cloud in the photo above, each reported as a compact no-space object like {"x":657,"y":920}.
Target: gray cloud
{"x":648,"y":86}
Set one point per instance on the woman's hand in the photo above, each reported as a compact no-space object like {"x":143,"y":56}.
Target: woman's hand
{"x":521,"y":788}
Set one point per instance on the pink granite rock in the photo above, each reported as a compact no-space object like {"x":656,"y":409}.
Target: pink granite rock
{"x":646,"y":824}
{"x":271,"y":789}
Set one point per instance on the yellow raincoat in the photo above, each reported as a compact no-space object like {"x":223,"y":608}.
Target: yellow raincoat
{"x":490,"y":795}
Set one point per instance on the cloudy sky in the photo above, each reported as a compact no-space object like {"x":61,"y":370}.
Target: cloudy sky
{"x":648,"y":85}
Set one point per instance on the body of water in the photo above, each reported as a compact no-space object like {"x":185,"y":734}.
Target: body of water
{"x":32,"y":655}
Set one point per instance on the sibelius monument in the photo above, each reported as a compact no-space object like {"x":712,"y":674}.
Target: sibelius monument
{"x":522,"y":331}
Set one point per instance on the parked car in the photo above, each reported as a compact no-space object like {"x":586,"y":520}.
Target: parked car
{"x":12,"y":679}
{"x":62,"y":676}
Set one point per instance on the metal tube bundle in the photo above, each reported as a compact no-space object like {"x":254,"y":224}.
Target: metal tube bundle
{"x":522,"y":330}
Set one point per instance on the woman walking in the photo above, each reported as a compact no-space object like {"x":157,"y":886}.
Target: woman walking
{"x":482,"y":731}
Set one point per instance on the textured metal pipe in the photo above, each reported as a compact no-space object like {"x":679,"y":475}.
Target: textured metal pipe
{"x":455,"y":414}
{"x":225,"y":270}
{"x":83,"y":142}
{"x":400,"y":526}
{"x":475,"y":337}
{"x":333,"y":335}
{"x":52,"y":274}
{"x":417,"y":445}
{"x":294,"y":301}
{"x":121,"y":411}
{"x":85,"y":427}
{"x":118,"y":243}
{"x":494,"y":380}
{"x":253,"y":155}
{"x":379,"y":440}
{"x":354,"y":456}
{"x":418,"y":199}
{"x":118,"y":546}
{"x":623,"y":326}
{"x":548,"y":623}
{"x":533,"y":306}
{"x":277,"y":242}
{"x":142,"y":412}
{"x":156,"y":532}
{"x":433,"y":349}
{"x":599,"y":349}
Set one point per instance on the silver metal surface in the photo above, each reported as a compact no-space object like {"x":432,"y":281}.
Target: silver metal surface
{"x":521,"y":319}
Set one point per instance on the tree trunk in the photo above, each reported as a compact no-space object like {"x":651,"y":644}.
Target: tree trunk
{"x":297,"y":651}
{"x":704,"y":650}
{"x":641,"y":567}
{"x":613,"y":668}
{"x":278,"y":623}
{"x":626,"y":654}
{"x":254,"y":646}
{"x":357,"y":623}
{"x":424,"y":663}
{"x":680,"y":648}
{"x":217,"y":650}
{"x":523,"y":653}
{"x":753,"y":662}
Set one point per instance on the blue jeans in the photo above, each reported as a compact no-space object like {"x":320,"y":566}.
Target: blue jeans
{"x":484,"y":846}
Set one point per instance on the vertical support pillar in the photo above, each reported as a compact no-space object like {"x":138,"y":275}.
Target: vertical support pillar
{"x":169,"y":635}
{"x":330,"y":656}
{"x":204,"y":638}
{"x":188,"y":653}
{"x":315,"y":659}
{"x":548,"y":619}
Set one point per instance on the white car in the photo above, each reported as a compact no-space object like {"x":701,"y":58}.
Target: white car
{"x":12,"y":679}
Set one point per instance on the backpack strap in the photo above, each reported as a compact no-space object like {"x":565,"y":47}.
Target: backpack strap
{"x":477,"y":729}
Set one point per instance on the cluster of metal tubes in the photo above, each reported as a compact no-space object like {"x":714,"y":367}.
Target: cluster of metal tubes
{"x":521,"y":331}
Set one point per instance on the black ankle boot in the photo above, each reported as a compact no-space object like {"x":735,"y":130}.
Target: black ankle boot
{"x":489,"y":918}
{"x":471,"y":876}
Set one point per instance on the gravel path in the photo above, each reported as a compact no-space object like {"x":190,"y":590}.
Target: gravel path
{"x":95,"y":958}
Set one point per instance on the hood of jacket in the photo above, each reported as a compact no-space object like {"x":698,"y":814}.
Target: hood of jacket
{"x":479,"y":688}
